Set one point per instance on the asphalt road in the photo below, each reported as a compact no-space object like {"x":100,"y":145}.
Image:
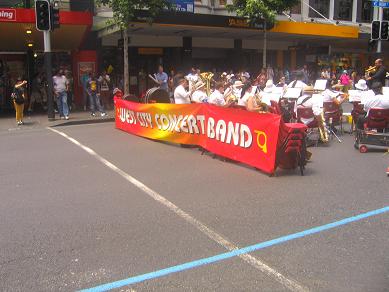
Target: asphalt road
{"x":69,"y":222}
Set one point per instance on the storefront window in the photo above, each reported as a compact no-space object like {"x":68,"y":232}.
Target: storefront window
{"x":365,"y":11}
{"x":322,"y":6}
{"x":343,"y":10}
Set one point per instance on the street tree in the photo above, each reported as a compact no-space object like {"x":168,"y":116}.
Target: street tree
{"x":124,"y":12}
{"x":261,"y":11}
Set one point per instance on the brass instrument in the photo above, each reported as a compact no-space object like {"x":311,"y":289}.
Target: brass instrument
{"x":371,"y":69}
{"x":207,"y":78}
{"x":258,"y":102}
{"x":322,"y":128}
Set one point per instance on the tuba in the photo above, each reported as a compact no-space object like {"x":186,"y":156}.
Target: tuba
{"x":207,"y":78}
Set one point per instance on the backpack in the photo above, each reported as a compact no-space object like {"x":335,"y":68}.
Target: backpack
{"x":17,"y":97}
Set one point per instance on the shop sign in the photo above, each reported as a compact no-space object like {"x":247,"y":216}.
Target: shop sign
{"x":150,"y":51}
{"x":7,"y":15}
{"x":183,"y":5}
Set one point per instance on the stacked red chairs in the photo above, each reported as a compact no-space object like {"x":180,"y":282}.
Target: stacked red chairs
{"x":293,"y":152}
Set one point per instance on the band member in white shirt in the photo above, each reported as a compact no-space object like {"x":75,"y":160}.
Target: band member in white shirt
{"x":199,"y":96}
{"x":181,"y":95}
{"x":217,"y":97}
{"x":249,"y":92}
{"x":298,"y":83}
{"x":192,"y":77}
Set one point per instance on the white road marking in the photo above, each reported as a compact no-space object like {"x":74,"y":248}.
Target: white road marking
{"x":254,"y":262}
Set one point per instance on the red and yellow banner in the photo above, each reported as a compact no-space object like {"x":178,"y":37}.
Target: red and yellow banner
{"x":247,"y":137}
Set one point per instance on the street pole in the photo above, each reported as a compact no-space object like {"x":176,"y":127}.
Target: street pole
{"x":49,"y":77}
{"x":264,"y":56}
{"x":380,"y":18}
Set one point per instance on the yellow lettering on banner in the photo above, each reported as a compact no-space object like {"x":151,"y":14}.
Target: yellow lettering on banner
{"x":262,"y":146}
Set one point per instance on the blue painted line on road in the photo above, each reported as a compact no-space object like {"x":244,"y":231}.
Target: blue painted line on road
{"x":234,"y":253}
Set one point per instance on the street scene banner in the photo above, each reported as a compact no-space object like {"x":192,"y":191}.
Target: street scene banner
{"x":247,"y":137}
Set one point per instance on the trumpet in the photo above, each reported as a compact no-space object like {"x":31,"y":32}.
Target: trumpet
{"x":371,"y":70}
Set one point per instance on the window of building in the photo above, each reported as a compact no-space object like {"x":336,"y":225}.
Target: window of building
{"x":365,"y":11}
{"x":343,"y":10}
{"x":322,"y":6}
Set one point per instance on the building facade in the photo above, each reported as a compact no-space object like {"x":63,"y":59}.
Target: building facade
{"x":21,"y":48}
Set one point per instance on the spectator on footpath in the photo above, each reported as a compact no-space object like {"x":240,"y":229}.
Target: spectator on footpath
{"x":36,"y":93}
{"x":162,"y":78}
{"x":69,"y":77}
{"x":18,"y":97}
{"x":61,"y":86}
{"x":345,"y":81}
{"x":104,"y":83}
{"x":85,"y":95}
{"x":94,"y":96}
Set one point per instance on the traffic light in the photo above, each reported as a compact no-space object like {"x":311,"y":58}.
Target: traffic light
{"x":384,"y":30}
{"x":375,"y":30}
{"x":54,"y":17}
{"x":42,"y":15}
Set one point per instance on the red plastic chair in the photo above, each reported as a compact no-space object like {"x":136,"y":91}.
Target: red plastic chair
{"x":276,"y":107}
{"x":333,"y":114}
{"x":306,"y":113}
{"x":378,"y":119}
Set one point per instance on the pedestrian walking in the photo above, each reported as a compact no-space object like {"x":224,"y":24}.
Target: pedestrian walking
{"x":19,"y":98}
{"x":94,"y":96}
{"x":61,"y":86}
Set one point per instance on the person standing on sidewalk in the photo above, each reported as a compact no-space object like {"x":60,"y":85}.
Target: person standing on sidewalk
{"x":61,"y":86}
{"x":18,"y":97}
{"x":94,"y":96}
{"x":104,"y":82}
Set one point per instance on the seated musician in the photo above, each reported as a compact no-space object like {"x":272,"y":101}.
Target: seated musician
{"x":298,"y":82}
{"x":247,"y":91}
{"x":217,"y":96}
{"x":379,"y":101}
{"x":181,"y":93}
{"x":335,"y":96}
{"x":255,"y":103}
{"x":307,"y":101}
{"x":200,"y":95}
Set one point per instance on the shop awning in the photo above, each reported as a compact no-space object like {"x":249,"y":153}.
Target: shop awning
{"x":14,"y":24}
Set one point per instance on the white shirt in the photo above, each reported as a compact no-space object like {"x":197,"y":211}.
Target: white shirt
{"x":192,"y":78}
{"x":329,"y":95}
{"x":217,"y":98}
{"x":181,"y":96}
{"x":379,"y":101}
{"x":299,"y":84}
{"x":199,"y":96}
{"x":244,"y":100}
{"x":60,"y":83}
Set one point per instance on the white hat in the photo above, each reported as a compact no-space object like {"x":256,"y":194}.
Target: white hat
{"x":269,"y":86}
{"x":199,"y":84}
{"x":238,"y":84}
{"x":361,"y":85}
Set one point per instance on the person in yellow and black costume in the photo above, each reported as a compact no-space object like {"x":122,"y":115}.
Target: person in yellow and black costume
{"x":18,"y":99}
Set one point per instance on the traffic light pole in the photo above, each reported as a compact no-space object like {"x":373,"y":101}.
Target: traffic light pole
{"x":49,"y":77}
{"x":380,"y":18}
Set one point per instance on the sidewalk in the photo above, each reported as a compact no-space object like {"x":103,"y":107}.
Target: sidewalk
{"x":40,"y":120}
